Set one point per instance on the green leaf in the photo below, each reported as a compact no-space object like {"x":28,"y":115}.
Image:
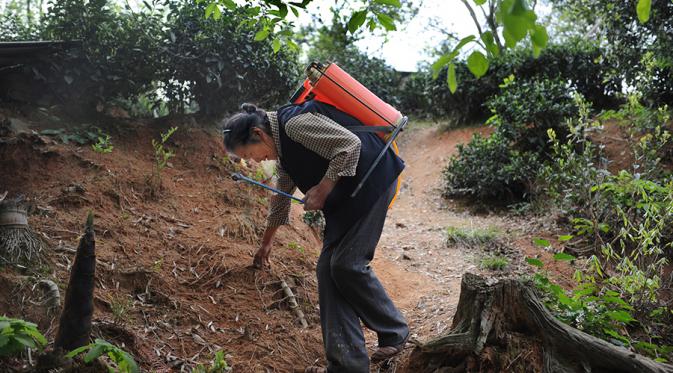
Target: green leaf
{"x":77,"y":351}
{"x":535,"y":262}
{"x":126,"y":360}
{"x":489,"y":42}
{"x":213,"y":10}
{"x":643,"y":9}
{"x":516,"y":19}
{"x":539,"y":36}
{"x":615,"y":335}
{"x":292,"y":45}
{"x":516,"y":27}
{"x":480,"y":2}
{"x":357,"y":19}
{"x":217,"y":14}
{"x":275,"y":45}
{"x":618,"y":301}
{"x":371,"y":24}
{"x":541,"y":242}
{"x":565,"y":238}
{"x":3,"y":340}
{"x":451,"y":78}
{"x":37,"y":336}
{"x":463,"y":42}
{"x":282,"y":8}
{"x":230,"y":4}
{"x":477,"y":63}
{"x":387,"y":22}
{"x":262,"y":34}
{"x":563,"y":256}
{"x":620,"y":316}
{"x":395,"y":3}
{"x":97,"y":350}
{"x":26,"y":341}
{"x":441,"y":62}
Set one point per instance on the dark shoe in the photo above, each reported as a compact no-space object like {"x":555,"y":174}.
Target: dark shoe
{"x":386,"y":352}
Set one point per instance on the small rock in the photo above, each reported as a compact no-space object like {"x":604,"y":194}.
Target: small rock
{"x":406,"y":257}
{"x":400,"y":225}
{"x":407,"y":248}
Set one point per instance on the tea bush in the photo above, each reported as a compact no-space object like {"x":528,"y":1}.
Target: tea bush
{"x":163,"y":57}
{"x":576,"y":62}
{"x":489,"y":168}
{"x":504,"y":165}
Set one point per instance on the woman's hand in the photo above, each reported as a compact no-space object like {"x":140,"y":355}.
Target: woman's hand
{"x":316,"y":196}
{"x":261,"y":259}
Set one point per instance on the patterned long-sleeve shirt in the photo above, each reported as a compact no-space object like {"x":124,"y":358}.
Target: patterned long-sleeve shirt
{"x":321,"y":135}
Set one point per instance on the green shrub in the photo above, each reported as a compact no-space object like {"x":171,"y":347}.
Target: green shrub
{"x":216,"y":64}
{"x":641,"y":53}
{"x":577,"y":62}
{"x":103,"y":145}
{"x":574,"y":165}
{"x":162,"y":154}
{"x":163,"y":57}
{"x":596,"y":309}
{"x":119,"y":55}
{"x":415,"y":97}
{"x":525,"y":110}
{"x":489,"y":168}
{"x":504,"y":165}
{"x":639,"y":241}
{"x":17,"y":335}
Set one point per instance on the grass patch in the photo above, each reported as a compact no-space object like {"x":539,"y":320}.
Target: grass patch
{"x":495,"y":263}
{"x":471,"y":236}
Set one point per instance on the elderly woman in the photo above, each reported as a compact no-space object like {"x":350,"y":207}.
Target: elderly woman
{"x":317,"y":153}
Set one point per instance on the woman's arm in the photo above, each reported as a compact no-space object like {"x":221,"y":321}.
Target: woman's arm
{"x":279,"y":214}
{"x":328,"y":139}
{"x":331,"y":141}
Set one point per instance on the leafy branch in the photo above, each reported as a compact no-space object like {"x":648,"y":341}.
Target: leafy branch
{"x":123,"y":360}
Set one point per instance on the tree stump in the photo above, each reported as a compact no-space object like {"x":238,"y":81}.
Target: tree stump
{"x":504,"y":327}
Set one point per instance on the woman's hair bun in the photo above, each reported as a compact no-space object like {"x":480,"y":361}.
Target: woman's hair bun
{"x":249,"y":108}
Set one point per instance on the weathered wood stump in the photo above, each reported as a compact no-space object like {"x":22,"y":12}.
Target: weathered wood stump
{"x":504,"y":327}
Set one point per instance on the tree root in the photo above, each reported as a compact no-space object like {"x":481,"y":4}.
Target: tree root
{"x":20,"y":245}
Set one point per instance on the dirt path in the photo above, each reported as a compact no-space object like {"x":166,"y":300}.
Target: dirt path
{"x":413,"y":261}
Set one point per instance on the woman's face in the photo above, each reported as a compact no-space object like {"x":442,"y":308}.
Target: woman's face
{"x":264,"y":150}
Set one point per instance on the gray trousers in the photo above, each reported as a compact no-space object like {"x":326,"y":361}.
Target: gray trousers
{"x":349,"y":292}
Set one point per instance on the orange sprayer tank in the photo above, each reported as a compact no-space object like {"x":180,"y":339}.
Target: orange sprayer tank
{"x":336,"y":87}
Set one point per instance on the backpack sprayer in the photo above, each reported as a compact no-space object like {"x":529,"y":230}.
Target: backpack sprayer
{"x":333,"y":86}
